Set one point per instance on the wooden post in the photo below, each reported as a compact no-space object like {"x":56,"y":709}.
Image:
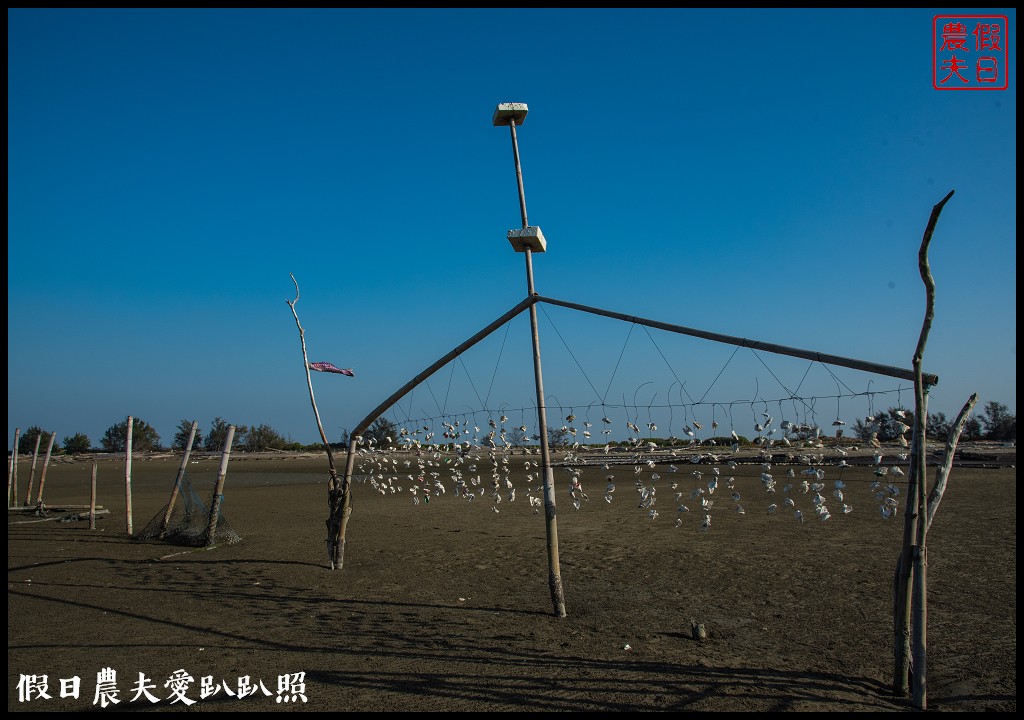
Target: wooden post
{"x":32,"y":471}
{"x":910,"y":593}
{"x":128,"y":475}
{"x":902,"y":580}
{"x":918,"y":609}
{"x":942,"y":476}
{"x":177,"y":481}
{"x":12,"y":473}
{"x":42,"y":475}
{"x":218,"y":491}
{"x":338,"y":502}
{"x":92,"y":499}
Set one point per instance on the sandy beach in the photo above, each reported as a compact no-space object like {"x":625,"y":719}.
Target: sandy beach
{"x":444,"y":605}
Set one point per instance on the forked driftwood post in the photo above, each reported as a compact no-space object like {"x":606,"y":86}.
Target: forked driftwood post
{"x":177,"y":481}
{"x":128,"y":475}
{"x":42,"y":475}
{"x":942,"y":475}
{"x":338,"y":504}
{"x":927,"y":508}
{"x":910,"y":577}
{"x":12,"y":473}
{"x":218,"y":491}
{"x":32,"y":471}
{"x":92,"y":499}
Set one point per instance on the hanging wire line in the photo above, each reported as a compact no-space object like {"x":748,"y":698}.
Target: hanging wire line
{"x":408,"y":413}
{"x":450,"y":376}
{"x":718,"y":375}
{"x":809,"y":366}
{"x":666,"y":362}
{"x":439,"y":410}
{"x":552,"y":323}
{"x":808,"y":409}
{"x":508,"y":325}
{"x":631,"y":326}
{"x":829,"y":370}
{"x":472,"y":385}
{"x":791,"y":393}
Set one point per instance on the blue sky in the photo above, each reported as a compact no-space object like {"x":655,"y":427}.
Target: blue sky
{"x":762,"y":174}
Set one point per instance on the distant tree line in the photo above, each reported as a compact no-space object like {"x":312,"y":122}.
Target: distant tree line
{"x":995,"y":422}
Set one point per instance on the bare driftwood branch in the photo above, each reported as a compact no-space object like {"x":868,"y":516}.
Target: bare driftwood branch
{"x":919,"y":601}
{"x":935,"y":496}
{"x":909,"y":559}
{"x":309,"y":379}
{"x":337,"y":490}
{"x":926,"y":276}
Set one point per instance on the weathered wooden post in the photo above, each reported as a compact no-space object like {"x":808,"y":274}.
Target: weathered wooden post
{"x":42,"y":475}
{"x":128,"y":475}
{"x":338,"y":490}
{"x":32,"y":471}
{"x":218,"y":491}
{"x":12,"y":472}
{"x":92,"y":499}
{"x":177,"y":481}
{"x":910,"y":579}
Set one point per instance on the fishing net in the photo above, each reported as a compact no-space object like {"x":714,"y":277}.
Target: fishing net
{"x":189,"y":521}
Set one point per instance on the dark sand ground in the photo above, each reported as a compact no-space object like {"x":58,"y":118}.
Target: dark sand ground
{"x":445,"y":605}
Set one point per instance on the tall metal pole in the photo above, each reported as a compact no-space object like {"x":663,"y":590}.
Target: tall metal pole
{"x":550,"y":511}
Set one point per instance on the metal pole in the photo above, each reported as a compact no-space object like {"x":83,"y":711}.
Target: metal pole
{"x":522,"y":193}
{"x":550,"y":511}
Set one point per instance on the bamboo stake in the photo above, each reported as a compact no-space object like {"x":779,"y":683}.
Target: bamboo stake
{"x":218,"y":491}
{"x":441,"y":362}
{"x":92,"y":499}
{"x":42,"y":475}
{"x":177,"y":481}
{"x":32,"y":471}
{"x":128,"y":475}
{"x":51,"y":519}
{"x":12,"y":473}
{"x":824,"y":358}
